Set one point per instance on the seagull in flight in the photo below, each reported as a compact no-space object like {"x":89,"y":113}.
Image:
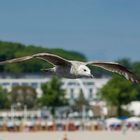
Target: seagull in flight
{"x":75,"y":69}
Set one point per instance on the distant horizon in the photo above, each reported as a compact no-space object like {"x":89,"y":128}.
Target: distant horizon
{"x":37,"y":45}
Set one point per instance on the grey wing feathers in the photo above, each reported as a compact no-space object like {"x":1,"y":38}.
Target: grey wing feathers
{"x":51,"y":58}
{"x":117,"y":68}
{"x":16,"y":60}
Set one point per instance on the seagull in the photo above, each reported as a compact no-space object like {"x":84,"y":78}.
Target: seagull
{"x":72,"y":69}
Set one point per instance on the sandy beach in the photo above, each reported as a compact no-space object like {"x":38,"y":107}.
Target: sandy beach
{"x":101,"y":135}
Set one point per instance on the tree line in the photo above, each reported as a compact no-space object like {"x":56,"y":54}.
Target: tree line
{"x":9,"y":50}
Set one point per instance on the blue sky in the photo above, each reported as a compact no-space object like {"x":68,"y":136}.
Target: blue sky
{"x":100,"y":29}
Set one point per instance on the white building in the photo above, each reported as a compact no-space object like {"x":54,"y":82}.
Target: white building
{"x":72,"y":86}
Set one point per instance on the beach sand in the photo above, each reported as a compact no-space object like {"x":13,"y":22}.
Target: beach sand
{"x":99,"y":135}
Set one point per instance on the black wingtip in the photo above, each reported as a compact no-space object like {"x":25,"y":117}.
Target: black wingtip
{"x":136,"y":81}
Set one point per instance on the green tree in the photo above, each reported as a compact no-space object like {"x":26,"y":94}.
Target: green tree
{"x":4,"y":104}
{"x":125,"y":62}
{"x":136,"y":68}
{"x":53,"y":96}
{"x":80,"y":102}
{"x":23,"y":95}
{"x":118,"y":92}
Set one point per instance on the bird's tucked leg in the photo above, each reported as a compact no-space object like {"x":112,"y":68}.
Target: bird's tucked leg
{"x":50,"y":71}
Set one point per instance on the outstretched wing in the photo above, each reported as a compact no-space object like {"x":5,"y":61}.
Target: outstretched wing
{"x":16,"y":60}
{"x":51,"y":58}
{"x":117,"y":68}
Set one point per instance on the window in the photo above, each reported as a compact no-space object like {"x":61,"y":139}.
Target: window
{"x":90,"y":90}
{"x":34,"y":85}
{"x":71,"y":83}
{"x":24,"y":84}
{"x":90,"y":83}
{"x":90,"y":96}
{"x":14,"y":84}
{"x":71,"y":90}
{"x":5,"y":84}
{"x":72,"y":93}
{"x":90,"y":93}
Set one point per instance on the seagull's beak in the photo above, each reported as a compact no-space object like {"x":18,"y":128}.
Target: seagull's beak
{"x":91,"y":76}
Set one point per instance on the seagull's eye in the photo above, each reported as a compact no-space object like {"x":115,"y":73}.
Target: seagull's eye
{"x":85,"y":70}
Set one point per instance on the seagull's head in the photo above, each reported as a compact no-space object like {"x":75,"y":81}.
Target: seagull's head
{"x":84,"y":71}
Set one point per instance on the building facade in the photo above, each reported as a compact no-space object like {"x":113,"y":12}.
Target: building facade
{"x":73,"y":87}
